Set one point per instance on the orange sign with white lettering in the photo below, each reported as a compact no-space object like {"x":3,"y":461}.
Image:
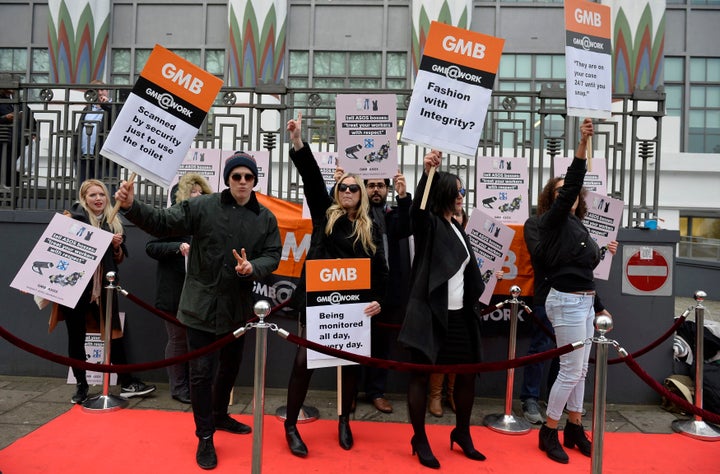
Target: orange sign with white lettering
{"x":337,"y":274}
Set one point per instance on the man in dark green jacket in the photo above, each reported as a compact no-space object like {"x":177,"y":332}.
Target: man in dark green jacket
{"x":235,"y":242}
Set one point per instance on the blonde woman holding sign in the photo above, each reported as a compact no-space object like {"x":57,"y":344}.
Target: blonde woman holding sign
{"x":342,"y":228}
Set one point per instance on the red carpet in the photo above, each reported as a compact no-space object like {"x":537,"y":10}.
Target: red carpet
{"x":159,"y":442}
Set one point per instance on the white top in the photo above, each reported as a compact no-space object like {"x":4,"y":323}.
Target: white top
{"x":456,"y":290}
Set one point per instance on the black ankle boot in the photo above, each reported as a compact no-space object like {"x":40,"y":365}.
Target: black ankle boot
{"x":81,"y":393}
{"x":205,"y":455}
{"x":549,"y":442}
{"x":463,"y":439}
{"x":574,"y":435}
{"x":345,"y":437}
{"x":295,"y":442}
{"x":424,"y":453}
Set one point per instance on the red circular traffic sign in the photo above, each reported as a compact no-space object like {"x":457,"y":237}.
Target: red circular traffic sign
{"x":647,"y":274}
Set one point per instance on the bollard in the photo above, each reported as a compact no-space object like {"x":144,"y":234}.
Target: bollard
{"x":603,"y":324}
{"x":507,"y":423}
{"x":261,"y":309}
{"x":696,"y":427}
{"x":106,"y":401}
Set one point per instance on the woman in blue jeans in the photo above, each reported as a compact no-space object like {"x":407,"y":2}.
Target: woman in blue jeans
{"x":568,"y":254}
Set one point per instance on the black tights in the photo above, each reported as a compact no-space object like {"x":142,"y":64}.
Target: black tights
{"x":300,"y":382}
{"x":464,"y":395}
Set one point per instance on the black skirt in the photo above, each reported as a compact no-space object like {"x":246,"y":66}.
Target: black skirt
{"x":460,"y":344}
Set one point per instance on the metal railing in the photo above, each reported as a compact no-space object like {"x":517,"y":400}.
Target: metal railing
{"x":533,"y":125}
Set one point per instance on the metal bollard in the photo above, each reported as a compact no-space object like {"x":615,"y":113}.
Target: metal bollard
{"x":603,"y":324}
{"x":106,"y":401}
{"x":507,"y":423}
{"x":696,"y":427}
{"x":261,"y":309}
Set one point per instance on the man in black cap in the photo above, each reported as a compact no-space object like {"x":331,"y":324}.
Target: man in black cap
{"x":235,"y":242}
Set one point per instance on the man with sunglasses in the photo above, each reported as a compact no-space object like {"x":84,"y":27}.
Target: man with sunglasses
{"x":235,"y":242}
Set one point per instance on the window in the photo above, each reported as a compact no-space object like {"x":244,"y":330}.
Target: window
{"x":700,"y":237}
{"x":704,"y":106}
{"x":13,"y":60}
{"x":357,"y":70}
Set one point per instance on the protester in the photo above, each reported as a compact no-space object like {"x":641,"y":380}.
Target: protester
{"x":92,"y":209}
{"x":393,"y":223}
{"x":235,"y":242}
{"x":11,"y":131}
{"x":90,"y":134}
{"x":568,"y":255}
{"x":342,"y":228}
{"x":171,"y":254}
{"x":441,"y":325}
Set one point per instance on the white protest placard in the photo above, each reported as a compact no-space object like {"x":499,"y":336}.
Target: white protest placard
{"x":62,"y":263}
{"x":337,"y":292}
{"x":595,"y":177}
{"x":490,"y":239}
{"x":603,"y":220}
{"x":366,"y":134}
{"x":202,"y":161}
{"x":327,"y":162}
{"x":452,"y":90}
{"x":588,"y":59}
{"x":157,"y":124}
{"x":501,"y":188}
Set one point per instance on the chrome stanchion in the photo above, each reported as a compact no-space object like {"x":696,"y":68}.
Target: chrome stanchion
{"x":696,"y":427}
{"x":507,"y":423}
{"x":261,"y":309}
{"x":106,"y":401}
{"x":603,"y":324}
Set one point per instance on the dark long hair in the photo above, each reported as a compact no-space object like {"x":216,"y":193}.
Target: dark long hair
{"x":443,"y":193}
{"x":547,"y":197}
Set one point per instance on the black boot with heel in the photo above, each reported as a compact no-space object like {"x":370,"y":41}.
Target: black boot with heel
{"x":295,"y":442}
{"x":551,"y":445}
{"x":421,"y":447}
{"x":345,"y":437}
{"x":574,"y":435}
{"x":465,"y":442}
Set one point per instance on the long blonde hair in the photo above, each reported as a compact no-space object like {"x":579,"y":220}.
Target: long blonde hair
{"x":362,"y":225}
{"x":115,"y":226}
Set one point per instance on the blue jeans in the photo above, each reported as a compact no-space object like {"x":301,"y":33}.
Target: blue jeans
{"x":212,"y":377}
{"x":539,"y":342}
{"x":572,"y":318}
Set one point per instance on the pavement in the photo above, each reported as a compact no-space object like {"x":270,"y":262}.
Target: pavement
{"x":27,"y":403}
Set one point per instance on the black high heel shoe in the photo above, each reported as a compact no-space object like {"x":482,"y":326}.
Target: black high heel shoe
{"x":465,"y":442}
{"x":345,"y":437}
{"x":295,"y":442}
{"x":424,"y":453}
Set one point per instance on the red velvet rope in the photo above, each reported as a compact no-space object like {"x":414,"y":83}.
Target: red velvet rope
{"x":119,"y":368}
{"x":676,"y":399}
{"x":446,"y":369}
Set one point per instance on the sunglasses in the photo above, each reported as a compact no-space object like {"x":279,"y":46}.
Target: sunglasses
{"x":352,"y":187}
{"x":239,"y":176}
{"x":461,"y":192}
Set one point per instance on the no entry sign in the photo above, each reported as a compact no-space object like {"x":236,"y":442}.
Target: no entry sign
{"x":647,"y":270}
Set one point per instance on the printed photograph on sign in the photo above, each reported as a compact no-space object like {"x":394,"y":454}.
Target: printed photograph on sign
{"x":595,"y":178}
{"x":62,"y":263}
{"x":502,"y":188}
{"x":366,"y":133}
{"x":490,"y":240}
{"x":603,"y":219}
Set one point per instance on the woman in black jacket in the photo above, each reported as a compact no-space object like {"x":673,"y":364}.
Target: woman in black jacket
{"x":441,"y":323}
{"x":567,"y":255}
{"x":342,"y":228}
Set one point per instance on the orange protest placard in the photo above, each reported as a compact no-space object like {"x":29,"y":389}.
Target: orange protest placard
{"x":181,"y":77}
{"x":460,"y":46}
{"x":338,"y":274}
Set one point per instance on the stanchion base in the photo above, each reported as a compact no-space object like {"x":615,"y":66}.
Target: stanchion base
{"x":507,"y":424}
{"x":104,"y":403}
{"x":697,"y":429}
{"x":307,"y":414}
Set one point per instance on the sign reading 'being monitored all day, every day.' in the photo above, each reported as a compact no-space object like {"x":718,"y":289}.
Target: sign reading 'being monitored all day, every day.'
{"x":161,"y":117}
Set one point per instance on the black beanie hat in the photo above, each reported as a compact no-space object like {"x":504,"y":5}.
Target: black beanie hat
{"x":240,"y":158}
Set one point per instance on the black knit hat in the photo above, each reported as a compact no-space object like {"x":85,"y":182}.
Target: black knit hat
{"x":240,"y":158}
